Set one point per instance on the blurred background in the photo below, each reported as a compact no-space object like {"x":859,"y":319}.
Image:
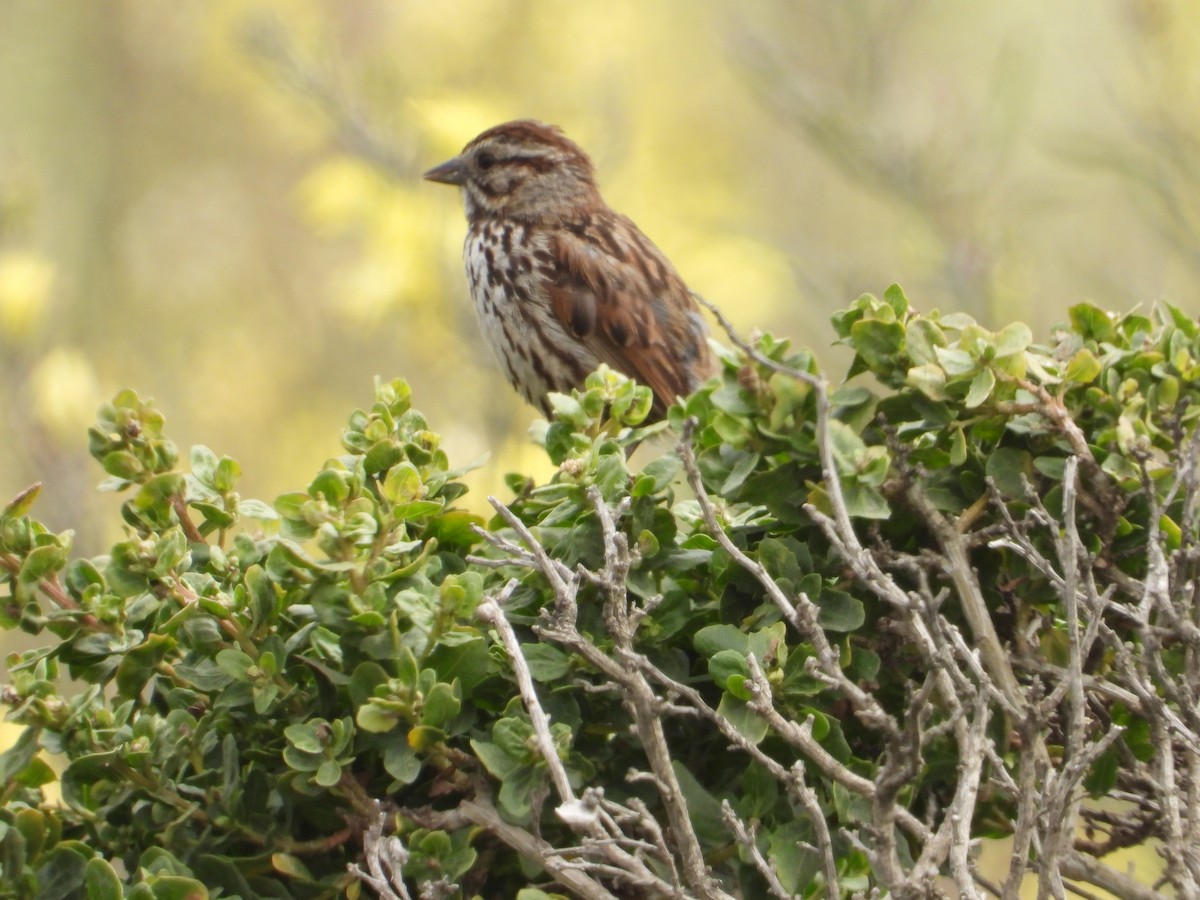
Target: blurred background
{"x":218,"y":202}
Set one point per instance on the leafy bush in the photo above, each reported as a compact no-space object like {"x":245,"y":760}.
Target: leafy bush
{"x":821,"y":645}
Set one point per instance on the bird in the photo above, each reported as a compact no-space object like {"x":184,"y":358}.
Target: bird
{"x":560,"y":281}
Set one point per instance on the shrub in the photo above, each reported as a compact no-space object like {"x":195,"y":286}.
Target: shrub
{"x":821,"y":643}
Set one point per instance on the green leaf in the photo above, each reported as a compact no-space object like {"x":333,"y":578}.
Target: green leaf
{"x":291,"y":506}
{"x":401,"y":762}
{"x":838,"y":611}
{"x":546,"y":662}
{"x":424,"y":738}
{"x":499,"y":763}
{"x":1167,"y":394}
{"x":34,"y":826}
{"x":704,"y":810}
{"x":42,"y":562}
{"x":441,"y":705}
{"x":159,"y":490}
{"x":848,"y":447}
{"x":140,"y":663}
{"x":663,"y":470}
{"x":20,"y":504}
{"x":332,"y":485}
{"x":514,"y":736}
{"x":791,"y":854}
{"x":929,"y":379}
{"x":981,"y":388}
{"x":1083,"y":368}
{"x":402,"y":483}
{"x":304,"y":736}
{"x":417,"y":509}
{"x":100,"y":881}
{"x":367,"y":676}
{"x":328,"y":773}
{"x":376,"y":719}
{"x":382,"y":456}
{"x":291,"y":866}
{"x":958,"y":447}
{"x":205,"y":675}
{"x":878,"y":342}
{"x":517,"y":792}
{"x":36,"y":774}
{"x":61,"y":873}
{"x":235,"y":663}
{"x":406,"y":668}
{"x":955,"y":362}
{"x":749,"y":724}
{"x":1091,"y":322}
{"x":264,"y":696}
{"x":711,"y":639}
{"x":921,"y":337}
{"x":465,"y":660}
{"x":1013,"y":338}
{"x":758,"y":794}
{"x":864,"y":502}
{"x":850,"y":807}
{"x":1007,"y":466}
{"x":123,"y":464}
{"x":768,"y":644}
{"x":894,"y":297}
{"x":863,"y":663}
{"x":1102,"y":776}
{"x":174,"y":887}
{"x":214,"y":516}
{"x":204,"y":464}
{"x":725,"y":663}
{"x":256,"y":509}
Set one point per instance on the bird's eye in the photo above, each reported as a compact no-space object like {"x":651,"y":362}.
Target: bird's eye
{"x":485,"y":160}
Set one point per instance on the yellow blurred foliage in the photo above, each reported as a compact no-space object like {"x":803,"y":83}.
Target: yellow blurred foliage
{"x":400,"y":232}
{"x":65,"y":392}
{"x":449,"y":121}
{"x":722,"y":265}
{"x":25,"y":282}
{"x":339,"y":193}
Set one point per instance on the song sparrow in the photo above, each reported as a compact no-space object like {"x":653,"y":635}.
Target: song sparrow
{"x":561,"y":283}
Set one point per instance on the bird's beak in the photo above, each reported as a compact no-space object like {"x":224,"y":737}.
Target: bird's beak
{"x":452,"y":171}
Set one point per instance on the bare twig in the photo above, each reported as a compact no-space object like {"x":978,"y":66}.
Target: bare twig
{"x":970,"y":596}
{"x":746,"y":838}
{"x":491,"y":611}
{"x":385,"y":857}
{"x":624,"y":671}
{"x":1092,"y":871}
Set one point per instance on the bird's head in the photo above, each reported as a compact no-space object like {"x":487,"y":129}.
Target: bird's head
{"x":522,"y":170}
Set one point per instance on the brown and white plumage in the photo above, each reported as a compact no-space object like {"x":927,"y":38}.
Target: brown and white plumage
{"x":560,"y":281}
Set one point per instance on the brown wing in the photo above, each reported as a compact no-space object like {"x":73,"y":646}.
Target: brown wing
{"x":616,"y":292}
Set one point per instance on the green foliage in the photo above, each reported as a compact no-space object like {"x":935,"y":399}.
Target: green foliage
{"x":249,"y":678}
